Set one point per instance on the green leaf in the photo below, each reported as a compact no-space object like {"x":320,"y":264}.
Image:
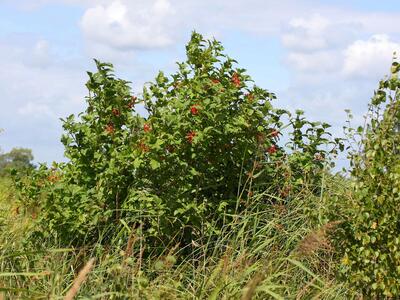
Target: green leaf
{"x":154,"y":164}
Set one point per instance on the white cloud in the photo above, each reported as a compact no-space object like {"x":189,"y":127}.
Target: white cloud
{"x":316,"y":62}
{"x":334,"y":65}
{"x":26,"y":49}
{"x":370,"y":58}
{"x":317,"y":32}
{"x":306,"y":34}
{"x":33,"y":109}
{"x":37,"y":89}
{"x":123,"y":26}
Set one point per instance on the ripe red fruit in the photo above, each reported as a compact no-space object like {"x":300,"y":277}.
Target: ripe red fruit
{"x":236,"y":80}
{"x":146,"y":127}
{"x":116,"y":112}
{"x":215,"y":81}
{"x":194,"y":110}
{"x":144,"y":147}
{"x":250,"y":97}
{"x":272,"y":149}
{"x":110,"y":128}
{"x":190,"y":136}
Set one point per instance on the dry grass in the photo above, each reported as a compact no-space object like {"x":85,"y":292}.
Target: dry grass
{"x":316,"y":240}
{"x":79,"y":280}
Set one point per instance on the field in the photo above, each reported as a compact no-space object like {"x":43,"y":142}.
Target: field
{"x":202,"y":199}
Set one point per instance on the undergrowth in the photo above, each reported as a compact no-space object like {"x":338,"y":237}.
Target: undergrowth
{"x":280,"y":251}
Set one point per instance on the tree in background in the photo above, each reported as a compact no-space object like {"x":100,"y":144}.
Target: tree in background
{"x":17,"y":158}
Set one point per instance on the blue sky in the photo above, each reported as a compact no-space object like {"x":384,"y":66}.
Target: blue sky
{"x":320,"y":56}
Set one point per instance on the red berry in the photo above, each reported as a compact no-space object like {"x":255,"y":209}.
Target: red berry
{"x":190,"y":136}
{"x":215,"y":81}
{"x":110,"y":128}
{"x":116,"y":112}
{"x":194,"y":110}
{"x":236,"y":80}
{"x":250,"y":97}
{"x":144,"y":147}
{"x":146,"y":127}
{"x":272,"y":149}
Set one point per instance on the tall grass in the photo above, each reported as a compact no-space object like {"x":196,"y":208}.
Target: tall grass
{"x":273,"y":250}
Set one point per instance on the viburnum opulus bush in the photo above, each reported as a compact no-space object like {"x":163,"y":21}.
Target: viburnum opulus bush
{"x":371,"y":234}
{"x":210,"y":140}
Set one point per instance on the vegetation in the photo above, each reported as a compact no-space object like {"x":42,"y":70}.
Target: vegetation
{"x":370,"y":233}
{"x":19,"y":159}
{"x":202,"y":199}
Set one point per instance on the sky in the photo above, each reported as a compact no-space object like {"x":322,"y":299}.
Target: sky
{"x":319,"y":56}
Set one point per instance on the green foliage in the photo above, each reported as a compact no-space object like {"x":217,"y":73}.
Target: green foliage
{"x":210,"y":140}
{"x":259,"y":255}
{"x":371,"y":233}
{"x":18,"y":158}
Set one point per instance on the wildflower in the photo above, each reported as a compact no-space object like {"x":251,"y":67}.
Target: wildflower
{"x":236,"y":80}
{"x":190,"y":136}
{"x":272,"y":149}
{"x":146,"y":127}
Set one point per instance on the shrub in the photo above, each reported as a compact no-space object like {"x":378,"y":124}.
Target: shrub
{"x":371,"y":233}
{"x":211,"y":139}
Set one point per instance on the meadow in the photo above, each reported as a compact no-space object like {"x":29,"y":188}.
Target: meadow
{"x":216,"y":194}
